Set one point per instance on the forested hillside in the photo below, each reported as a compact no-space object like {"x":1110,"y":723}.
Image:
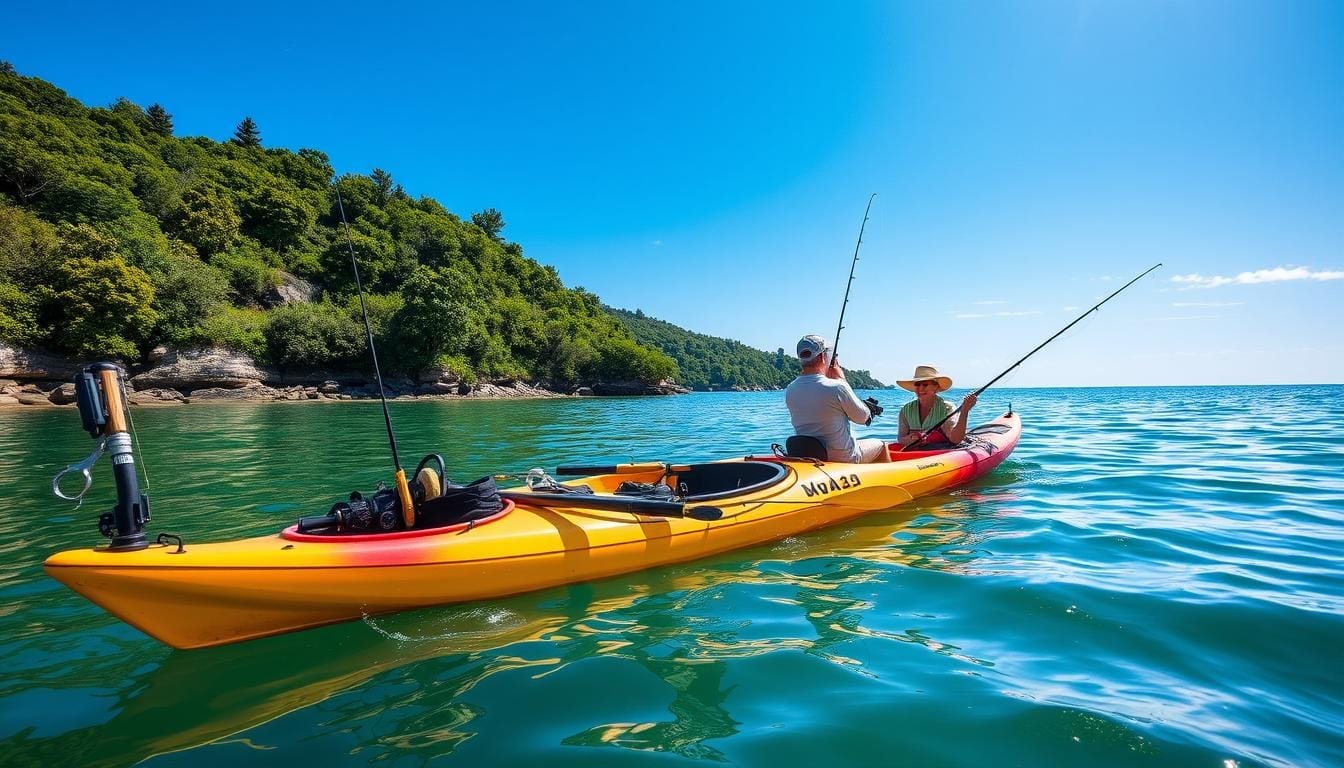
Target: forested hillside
{"x":709,"y":362}
{"x":117,"y":236}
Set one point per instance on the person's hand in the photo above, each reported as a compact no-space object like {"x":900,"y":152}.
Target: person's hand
{"x":834,"y":371}
{"x":969,"y":403}
{"x":914,"y":436}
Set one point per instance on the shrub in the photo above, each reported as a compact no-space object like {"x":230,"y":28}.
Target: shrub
{"x":240,"y":329}
{"x":250,"y":278}
{"x":18,"y":316}
{"x":313,"y":335}
{"x":186,"y":293}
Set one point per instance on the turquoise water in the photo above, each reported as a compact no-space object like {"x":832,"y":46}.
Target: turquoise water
{"x":1152,"y":579}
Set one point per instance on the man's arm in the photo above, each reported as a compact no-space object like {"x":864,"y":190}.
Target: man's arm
{"x":853,"y":406}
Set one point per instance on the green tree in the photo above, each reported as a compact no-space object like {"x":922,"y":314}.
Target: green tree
{"x":434,"y":319}
{"x":26,"y":247}
{"x":26,"y":170}
{"x":101,"y":305}
{"x":207,"y":220}
{"x":249,"y":274}
{"x":160,"y":121}
{"x":382,"y":181}
{"x":247,"y":134}
{"x":490,"y":221}
{"x":278,"y":218}
{"x":18,"y":316}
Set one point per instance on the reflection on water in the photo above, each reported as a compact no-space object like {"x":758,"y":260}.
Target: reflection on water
{"x":666,"y":621}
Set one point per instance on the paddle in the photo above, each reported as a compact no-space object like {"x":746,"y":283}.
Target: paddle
{"x":869,"y":499}
{"x":925,"y":433}
{"x":620,"y":469}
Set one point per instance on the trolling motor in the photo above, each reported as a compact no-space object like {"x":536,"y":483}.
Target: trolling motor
{"x":99,"y":390}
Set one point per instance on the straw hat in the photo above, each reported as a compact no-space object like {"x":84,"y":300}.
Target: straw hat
{"x":925,"y":373}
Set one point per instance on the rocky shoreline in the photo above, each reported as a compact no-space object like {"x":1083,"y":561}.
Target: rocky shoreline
{"x":213,"y":375}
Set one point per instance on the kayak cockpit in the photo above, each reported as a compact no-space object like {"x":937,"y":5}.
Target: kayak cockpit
{"x":703,"y":482}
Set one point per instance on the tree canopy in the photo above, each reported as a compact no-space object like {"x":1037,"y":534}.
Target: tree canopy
{"x":709,"y":362}
{"x":117,"y":236}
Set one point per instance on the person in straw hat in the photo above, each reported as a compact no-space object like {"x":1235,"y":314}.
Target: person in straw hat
{"x":822,"y":405}
{"x":927,"y":409}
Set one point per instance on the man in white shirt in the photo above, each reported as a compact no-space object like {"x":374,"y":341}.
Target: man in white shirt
{"x":822,"y":404}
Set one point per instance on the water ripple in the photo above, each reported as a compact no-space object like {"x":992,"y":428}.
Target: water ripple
{"x":1152,"y":579}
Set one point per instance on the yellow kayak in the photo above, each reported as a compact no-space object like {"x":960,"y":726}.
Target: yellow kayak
{"x":200,"y":595}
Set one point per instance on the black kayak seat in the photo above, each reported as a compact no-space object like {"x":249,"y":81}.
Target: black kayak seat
{"x":805,"y":447}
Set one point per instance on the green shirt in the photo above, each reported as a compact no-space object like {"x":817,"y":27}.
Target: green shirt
{"x":910,"y":417}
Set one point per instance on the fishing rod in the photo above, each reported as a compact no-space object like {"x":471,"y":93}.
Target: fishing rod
{"x":403,"y":488}
{"x":925,"y":433}
{"x":835,"y":343}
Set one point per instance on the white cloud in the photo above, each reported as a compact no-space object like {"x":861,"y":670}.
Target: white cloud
{"x":657,"y":242}
{"x":1207,"y":303}
{"x":1275,"y":275}
{"x":1105,"y":278}
{"x":977,"y":315}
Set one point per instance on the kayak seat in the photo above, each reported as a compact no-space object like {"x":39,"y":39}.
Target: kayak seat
{"x":805,"y":447}
{"x":426,"y":485}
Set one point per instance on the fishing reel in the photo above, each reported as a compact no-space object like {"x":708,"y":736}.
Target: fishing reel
{"x":378,"y":512}
{"x":873,"y":407}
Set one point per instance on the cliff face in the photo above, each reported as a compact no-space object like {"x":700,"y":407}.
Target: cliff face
{"x":212,"y":374}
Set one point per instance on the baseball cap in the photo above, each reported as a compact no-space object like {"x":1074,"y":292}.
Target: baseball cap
{"x":810,"y":346}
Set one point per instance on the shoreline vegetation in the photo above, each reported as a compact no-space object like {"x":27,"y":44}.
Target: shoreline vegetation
{"x":212,"y":375}
{"x":122,"y":241}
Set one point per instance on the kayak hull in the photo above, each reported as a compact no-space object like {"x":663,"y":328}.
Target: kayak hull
{"x":211,"y":594}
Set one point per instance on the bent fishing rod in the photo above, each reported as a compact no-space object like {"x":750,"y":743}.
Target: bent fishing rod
{"x":403,"y":488}
{"x":835,"y":344}
{"x":925,"y":433}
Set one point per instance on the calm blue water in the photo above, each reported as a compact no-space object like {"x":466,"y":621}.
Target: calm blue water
{"x":1152,"y":579}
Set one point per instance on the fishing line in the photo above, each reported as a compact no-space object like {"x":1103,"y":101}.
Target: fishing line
{"x":923,"y":434}
{"x":403,"y":488}
{"x":135,"y":439}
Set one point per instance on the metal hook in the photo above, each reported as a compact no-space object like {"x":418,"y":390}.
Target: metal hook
{"x":83,"y":468}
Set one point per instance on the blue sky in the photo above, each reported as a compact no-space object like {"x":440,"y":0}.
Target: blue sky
{"x":709,"y":162}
